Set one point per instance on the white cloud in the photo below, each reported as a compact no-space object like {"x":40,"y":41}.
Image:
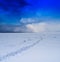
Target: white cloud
{"x":36,"y":27}
{"x":43,"y":27}
{"x":32,"y":25}
{"x":47,"y":25}
{"x":28,"y":20}
{"x":53,"y":27}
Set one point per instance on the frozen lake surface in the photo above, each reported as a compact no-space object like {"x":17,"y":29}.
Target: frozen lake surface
{"x":30,"y":47}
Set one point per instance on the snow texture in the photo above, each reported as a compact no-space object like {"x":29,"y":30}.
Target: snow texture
{"x":30,"y":47}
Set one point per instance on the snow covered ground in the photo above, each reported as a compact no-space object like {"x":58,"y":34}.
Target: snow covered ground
{"x":30,"y":47}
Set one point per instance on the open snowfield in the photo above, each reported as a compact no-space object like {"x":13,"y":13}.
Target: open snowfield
{"x":30,"y":47}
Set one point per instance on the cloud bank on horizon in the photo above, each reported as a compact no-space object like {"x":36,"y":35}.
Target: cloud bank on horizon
{"x":28,"y":27}
{"x":29,"y":16}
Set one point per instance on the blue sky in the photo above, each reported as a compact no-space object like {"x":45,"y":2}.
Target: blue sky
{"x":13,"y":11}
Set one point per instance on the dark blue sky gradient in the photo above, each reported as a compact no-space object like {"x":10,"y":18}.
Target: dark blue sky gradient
{"x":11,"y":11}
